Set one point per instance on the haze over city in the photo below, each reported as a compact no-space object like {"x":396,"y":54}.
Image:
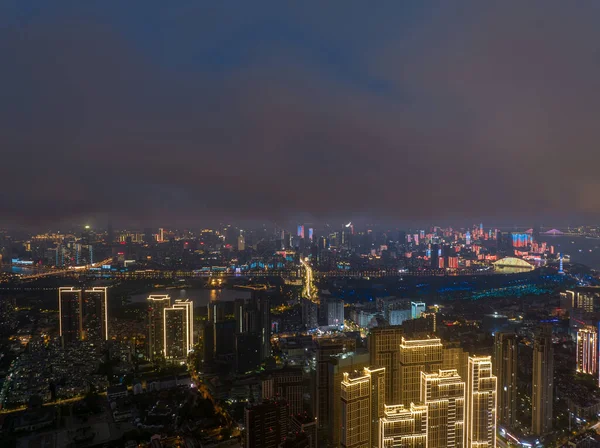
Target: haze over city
{"x":177,"y":114}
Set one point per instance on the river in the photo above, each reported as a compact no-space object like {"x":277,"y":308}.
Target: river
{"x":201,"y":297}
{"x":582,"y":250}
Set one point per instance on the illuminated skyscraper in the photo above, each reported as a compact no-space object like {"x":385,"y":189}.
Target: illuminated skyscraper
{"x":310,"y":233}
{"x":241,"y":243}
{"x":454,"y":357}
{"x":480,"y":418}
{"x":363,"y":403}
{"x":69,"y":310}
{"x":444,"y":395}
{"x":338,"y":365}
{"x":300,"y":233}
{"x":384,"y":347}
{"x":94,"y":321}
{"x":587,"y":350}
{"x":403,"y":426}
{"x":178,"y":331}
{"x":156,"y":321}
{"x":505,"y":368}
{"x":417,"y":308}
{"x":416,"y":356}
{"x":543,"y":382}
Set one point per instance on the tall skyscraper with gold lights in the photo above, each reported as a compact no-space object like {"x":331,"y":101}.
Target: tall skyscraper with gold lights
{"x":384,"y":346}
{"x":363,"y":403}
{"x":94,"y":321}
{"x":443,"y":393}
{"x":178,"y":331}
{"x":480,"y":418}
{"x":587,"y":350}
{"x":403,"y":426}
{"x":156,"y":323}
{"x":416,"y":356}
{"x":505,"y":368}
{"x":69,"y":310}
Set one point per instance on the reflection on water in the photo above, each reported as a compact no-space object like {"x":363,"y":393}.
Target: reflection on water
{"x":581,"y":249}
{"x":201,"y":297}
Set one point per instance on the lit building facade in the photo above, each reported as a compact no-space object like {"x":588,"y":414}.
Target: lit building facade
{"x":94,"y":321}
{"x":542,"y":382}
{"x":587,"y":350}
{"x":384,"y":346}
{"x":69,"y":310}
{"x":443,"y":393}
{"x":480,"y":418}
{"x":505,"y":368}
{"x":156,"y":322}
{"x":178,"y":329}
{"x":403,"y":426}
{"x":416,"y":356}
{"x":417,"y":308}
{"x":363,"y":403}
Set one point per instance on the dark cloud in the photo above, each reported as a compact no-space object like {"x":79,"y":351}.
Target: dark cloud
{"x":468,"y":110}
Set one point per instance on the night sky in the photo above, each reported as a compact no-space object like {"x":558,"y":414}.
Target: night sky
{"x":195,"y":112}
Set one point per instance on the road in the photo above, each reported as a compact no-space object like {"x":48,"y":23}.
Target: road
{"x":308,"y":289}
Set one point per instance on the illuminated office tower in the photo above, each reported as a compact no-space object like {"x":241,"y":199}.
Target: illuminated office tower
{"x":310,"y":233}
{"x":178,"y":331}
{"x":416,"y":356}
{"x":542,"y":382}
{"x":94,"y":321}
{"x":338,"y":365}
{"x":480,"y":418}
{"x":454,"y":357}
{"x":505,"y":368}
{"x":300,"y":232}
{"x":587,"y":350}
{"x":384,"y":346}
{"x":403,"y":426}
{"x":444,"y":395}
{"x":363,"y":403}
{"x":156,"y":321}
{"x":417,"y":308}
{"x":69,"y":310}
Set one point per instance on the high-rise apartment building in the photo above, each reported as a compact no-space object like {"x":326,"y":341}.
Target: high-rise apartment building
{"x":384,"y":347}
{"x":94,"y":321}
{"x":587,"y":350}
{"x":83,"y":314}
{"x":417,"y":308}
{"x":178,"y":331}
{"x":505,"y":368}
{"x":542,"y":382}
{"x":443,"y":393}
{"x":480,"y":418}
{"x":403,"y":426}
{"x":338,"y":365}
{"x":285,"y":383}
{"x":156,"y":323}
{"x":266,"y":424}
{"x":69,"y":310}
{"x":363,"y":404}
{"x":455,"y":357}
{"x":416,"y":356}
